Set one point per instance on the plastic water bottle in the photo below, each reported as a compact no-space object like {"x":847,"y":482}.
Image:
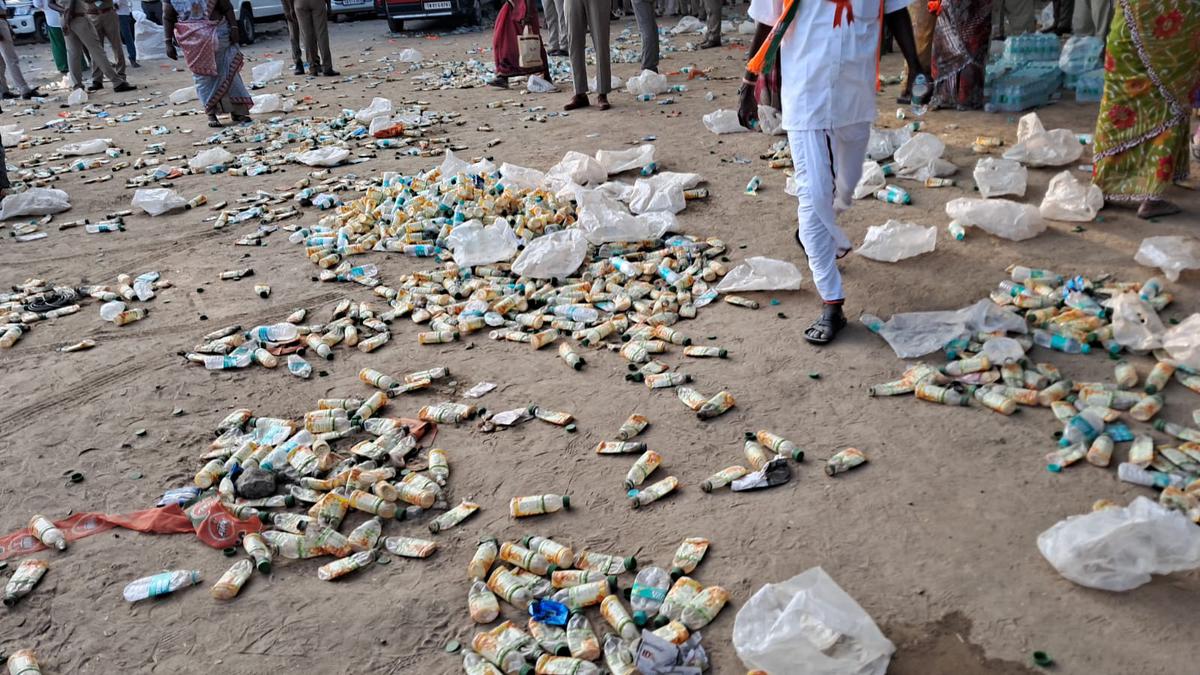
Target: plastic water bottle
{"x":920,"y":90}
{"x":1082,"y":428}
{"x":1060,"y":343}
{"x":160,"y":584}
{"x":280,"y":332}
{"x":649,"y":589}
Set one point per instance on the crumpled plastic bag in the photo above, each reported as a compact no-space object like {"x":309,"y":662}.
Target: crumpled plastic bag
{"x":183,"y":95}
{"x":378,"y":107}
{"x":77,"y":97}
{"x":410,"y":55}
{"x":265,"y":72}
{"x":210,"y":157}
{"x":1171,"y":254}
{"x":670,"y":179}
{"x":770,"y":121}
{"x":1117,"y":549}
{"x":92,"y":146}
{"x":647,"y":196}
{"x":536,"y":84}
{"x":36,"y":201}
{"x":995,"y":177}
{"x":386,"y":126}
{"x":1029,"y":125}
{"x":1038,"y":147}
{"x":521,"y":177}
{"x":1001,"y":217}
{"x":762,"y":274}
{"x":1182,"y":342}
{"x":723,"y":121}
{"x":603,"y":219}
{"x":871,"y":181}
{"x":148,"y":38}
{"x":473,"y":243}
{"x":552,"y":256}
{"x":894,"y":241}
{"x":915,"y":334}
{"x":617,"y":161}
{"x":687,"y":24}
{"x":647,"y":82}
{"x":1080,"y":54}
{"x":919,"y":150}
{"x":934,"y":168}
{"x":575,"y":167}
{"x":808,"y":625}
{"x":1135,"y":323}
{"x":1003,"y":350}
{"x":615,"y":83}
{"x":883,"y":142}
{"x":157,"y":201}
{"x":10,"y":134}
{"x":327,"y":156}
{"x":1071,"y":200}
{"x":747,"y":28}
{"x":452,"y":166}
{"x":271,"y":103}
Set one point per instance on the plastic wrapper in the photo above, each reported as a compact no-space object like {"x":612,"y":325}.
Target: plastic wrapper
{"x":77,"y":97}
{"x":647,"y":82}
{"x":934,"y":168}
{"x":770,"y":121}
{"x":1171,"y":254}
{"x":919,"y":150}
{"x":808,"y":625}
{"x":410,"y":55}
{"x":265,"y":72}
{"x":1002,"y":350}
{"x":10,"y":135}
{"x":617,"y":161}
{"x":668,"y":179}
{"x":1135,"y":323}
{"x":872,"y":180}
{"x":474,"y":244}
{"x":1081,"y":54}
{"x":536,"y":84}
{"x":894,"y":241}
{"x":723,"y":121}
{"x":148,"y":38}
{"x":1117,"y":549}
{"x":614,"y":81}
{"x":452,"y":166}
{"x":386,"y":126}
{"x":157,"y":201}
{"x":183,"y":95}
{"x":603,"y":219}
{"x":687,"y":24}
{"x":521,"y":177}
{"x":1058,"y":147}
{"x":552,"y":256}
{"x":34,"y":202}
{"x":210,"y":157}
{"x":996,"y":177}
{"x":647,"y":198}
{"x":270,"y":103}
{"x":92,"y":146}
{"x":1182,"y":342}
{"x":1071,"y":200}
{"x":378,"y":107}
{"x":762,"y":274}
{"x":327,"y":156}
{"x":575,"y":167}
{"x":883,"y":142}
{"x":916,"y":334}
{"x":1001,"y":217}
{"x":1029,"y":125}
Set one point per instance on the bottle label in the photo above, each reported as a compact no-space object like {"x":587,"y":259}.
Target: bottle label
{"x":160,"y":584}
{"x":651,"y":592}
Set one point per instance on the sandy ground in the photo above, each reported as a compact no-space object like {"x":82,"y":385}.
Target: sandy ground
{"x":934,"y":538}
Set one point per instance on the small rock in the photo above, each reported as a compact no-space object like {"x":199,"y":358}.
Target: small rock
{"x":255,"y":483}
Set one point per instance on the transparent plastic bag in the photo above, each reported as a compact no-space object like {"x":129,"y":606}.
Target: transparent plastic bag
{"x":1117,"y":549}
{"x":687,"y":24}
{"x":378,"y":107}
{"x":919,"y":150}
{"x":1135,"y":323}
{"x":808,"y":625}
{"x":92,"y":146}
{"x":1047,"y":148}
{"x":1001,"y":217}
{"x":1182,"y":342}
{"x":614,"y":82}
{"x":210,"y":157}
{"x":536,"y":84}
{"x":148,"y":38}
{"x":895,"y":241}
{"x":1071,"y":200}
{"x":883,"y":142}
{"x":934,"y":168}
{"x":995,"y":177}
{"x":270,"y":103}
{"x":915,"y":334}
{"x":762,"y":274}
{"x":157,"y":201}
{"x":1081,"y":54}
{"x":183,"y":95}
{"x":1002,"y":350}
{"x":647,"y":197}
{"x":10,"y":134}
{"x":647,"y":82}
{"x":617,"y":161}
{"x":410,"y":55}
{"x":452,"y":166}
{"x":668,"y":179}
{"x":575,"y":167}
{"x":603,"y":219}
{"x":1029,"y":125}
{"x":77,"y":97}
{"x":521,"y":177}
{"x":1171,"y":254}
{"x":871,"y":181}
{"x":475,"y":244}
{"x":265,"y":72}
{"x":552,"y":256}
{"x":327,"y":156}
{"x":385,"y":126}
{"x":36,"y":201}
{"x":723,"y":121}
{"x":747,"y":28}
{"x":770,"y":121}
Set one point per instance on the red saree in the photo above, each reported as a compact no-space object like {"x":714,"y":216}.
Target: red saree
{"x":511,"y":22}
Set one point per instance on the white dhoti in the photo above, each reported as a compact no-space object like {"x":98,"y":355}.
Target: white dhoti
{"x":828,"y":164}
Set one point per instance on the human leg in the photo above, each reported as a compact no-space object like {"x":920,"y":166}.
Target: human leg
{"x":712,"y":23}
{"x":554,"y":37}
{"x":599,"y":23}
{"x":126,"y":21}
{"x":817,"y":230}
{"x":643,"y":11}
{"x":577,"y":46}
{"x":320,"y":14}
{"x":58,"y":47}
{"x":308,"y":35}
{"x":108,"y":29}
{"x":83,"y":32}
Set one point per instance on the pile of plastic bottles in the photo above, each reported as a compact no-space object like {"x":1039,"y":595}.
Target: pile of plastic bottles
{"x":1033,"y":67}
{"x":1076,"y":316}
{"x":36,"y":300}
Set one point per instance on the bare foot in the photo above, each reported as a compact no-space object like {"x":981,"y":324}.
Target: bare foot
{"x":1156,"y":208}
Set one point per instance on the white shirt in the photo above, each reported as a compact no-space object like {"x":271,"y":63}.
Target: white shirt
{"x":124,"y":7}
{"x":828,"y":73}
{"x":53,"y":18}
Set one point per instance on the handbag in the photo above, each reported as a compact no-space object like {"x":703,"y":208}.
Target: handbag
{"x":529,"y":50}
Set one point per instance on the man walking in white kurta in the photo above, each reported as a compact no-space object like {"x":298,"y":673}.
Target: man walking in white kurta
{"x":827,"y":65}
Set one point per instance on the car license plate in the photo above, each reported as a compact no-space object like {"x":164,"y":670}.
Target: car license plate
{"x":430,"y":6}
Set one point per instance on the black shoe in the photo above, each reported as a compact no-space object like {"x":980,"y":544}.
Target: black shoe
{"x":135,"y":64}
{"x":95,"y":86}
{"x":330,"y":73}
{"x":299,"y":69}
{"x":124,"y":87}
{"x":31,"y":93}
{"x":7,"y":95}
{"x":710,"y":44}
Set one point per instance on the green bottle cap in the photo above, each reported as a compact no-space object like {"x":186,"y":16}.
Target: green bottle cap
{"x":660,"y":621}
{"x":676,"y":572}
{"x":264,"y":566}
{"x":631,"y":563}
{"x":640,"y":618}
{"x":552,"y":568}
{"x":1042,"y":659}
{"x":1160,"y":424}
{"x":566,"y":499}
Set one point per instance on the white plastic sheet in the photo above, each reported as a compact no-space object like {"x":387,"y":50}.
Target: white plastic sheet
{"x":1182,"y":342}
{"x":92,"y":146}
{"x":1171,"y":254}
{"x":536,"y":84}
{"x":1000,"y":217}
{"x":919,"y":150}
{"x":409,"y":55}
{"x":762,"y":274}
{"x":271,"y":103}
{"x":521,"y":177}
{"x":1029,"y":125}
{"x":472,"y":243}
{"x":157,"y":201}
{"x":1071,"y":200}
{"x":1135,"y":323}
{"x":770,"y":121}
{"x":687,"y":24}
{"x":895,"y":241}
{"x":996,"y":177}
{"x":575,"y":167}
{"x":35,"y":201}
{"x":648,"y":197}
{"x":183,"y":95}
{"x":265,"y":72}
{"x":1038,"y":147}
{"x":10,"y":134}
{"x":872,"y":180}
{"x":934,"y":168}
{"x":604,"y":219}
{"x":210,"y":157}
{"x":327,"y":156}
{"x":808,"y":625}
{"x":723,"y":121}
{"x":77,"y":97}
{"x":552,"y":256}
{"x":378,"y":107}
{"x":883,"y":142}
{"x":617,"y":161}
{"x":647,"y":82}
{"x":148,"y":37}
{"x":1117,"y":549}
{"x":452,"y":166}
{"x":915,"y":334}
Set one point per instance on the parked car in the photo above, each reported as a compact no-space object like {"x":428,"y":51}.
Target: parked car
{"x":469,"y":12}
{"x":249,"y":11}
{"x":346,"y":8}
{"x":27,"y":21}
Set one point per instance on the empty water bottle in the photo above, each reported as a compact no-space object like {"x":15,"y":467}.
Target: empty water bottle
{"x":649,"y":589}
{"x":1060,"y":343}
{"x":920,"y":89}
{"x":160,"y":584}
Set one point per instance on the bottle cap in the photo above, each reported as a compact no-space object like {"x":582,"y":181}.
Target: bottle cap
{"x":630,"y":563}
{"x":551,"y":568}
{"x":798,"y":455}
{"x":661,"y":620}
{"x":524,"y":540}
{"x":526,"y":669}
{"x":562,"y":650}
{"x":1160,"y":424}
{"x":640,"y":618}
{"x":676,"y":572}
{"x":1086,"y":349}
{"x":1042,"y":659}
{"x":749,"y":436}
{"x":264,"y":566}
{"x":612,"y":584}
{"x":627,"y":593}
{"x":566,"y":500}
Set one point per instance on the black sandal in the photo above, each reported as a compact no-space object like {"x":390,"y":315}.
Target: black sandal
{"x":215,"y":123}
{"x":825,"y":329}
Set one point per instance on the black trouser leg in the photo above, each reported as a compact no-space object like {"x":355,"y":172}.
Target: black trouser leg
{"x":899,"y":24}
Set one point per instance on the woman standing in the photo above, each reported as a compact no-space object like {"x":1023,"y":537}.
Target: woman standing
{"x":1152,"y":72}
{"x":207,"y":32}
{"x":960,"y":49}
{"x":512,"y":20}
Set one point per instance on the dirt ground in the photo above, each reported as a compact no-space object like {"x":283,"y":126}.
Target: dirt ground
{"x":935,"y":537}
